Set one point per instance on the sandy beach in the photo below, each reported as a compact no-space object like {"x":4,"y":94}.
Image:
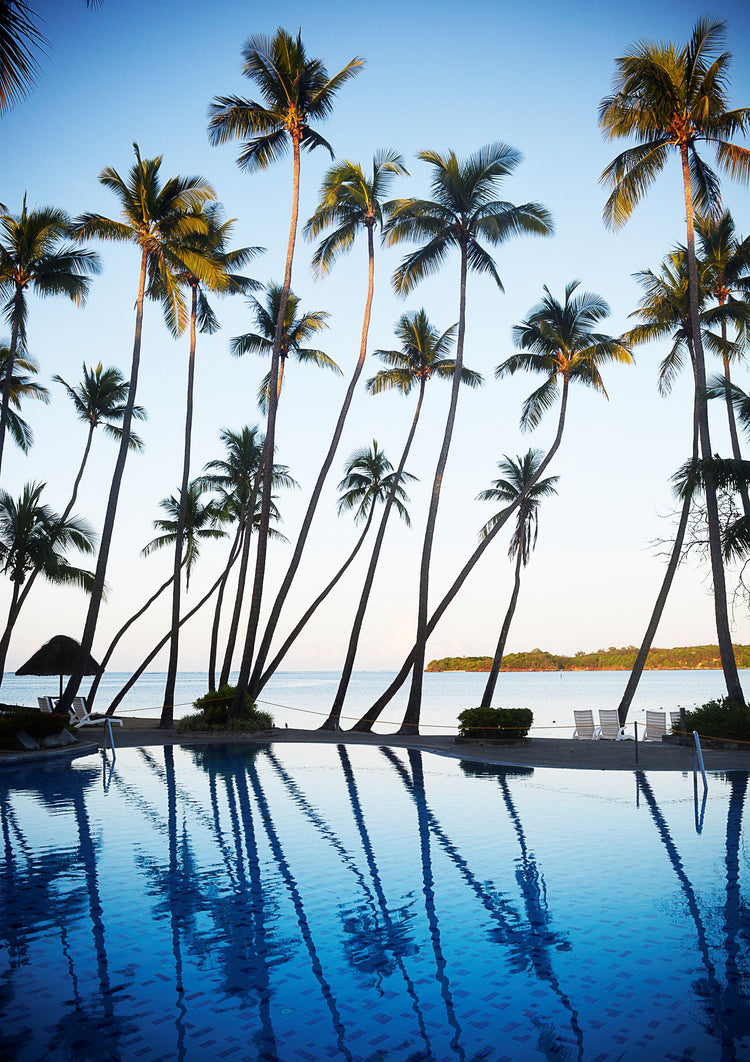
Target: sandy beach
{"x":533,"y":752}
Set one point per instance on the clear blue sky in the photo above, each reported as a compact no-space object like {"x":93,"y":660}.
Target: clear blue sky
{"x":438,"y":76}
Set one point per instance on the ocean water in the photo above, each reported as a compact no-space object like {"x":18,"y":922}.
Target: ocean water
{"x":301,"y":699}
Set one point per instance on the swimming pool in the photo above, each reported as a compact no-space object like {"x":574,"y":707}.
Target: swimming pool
{"x":303,"y":902}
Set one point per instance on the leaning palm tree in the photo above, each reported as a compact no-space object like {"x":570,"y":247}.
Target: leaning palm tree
{"x":34,"y":256}
{"x":296,"y":330}
{"x":99,"y":400}
{"x":422,"y":356}
{"x":22,"y":386}
{"x":296,"y":91}
{"x":207,"y":266}
{"x":518,"y":477}
{"x":235,"y":479}
{"x":34,"y":539}
{"x":669,"y":98}
{"x":463,"y":214}
{"x":560,"y":341}
{"x":351,"y":202}
{"x":155,"y":216}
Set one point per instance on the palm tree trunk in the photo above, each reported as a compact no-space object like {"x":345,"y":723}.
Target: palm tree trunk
{"x":489,"y":689}
{"x":281,"y":596}
{"x":410,"y":724}
{"x":79,"y":477}
{"x":726,"y":649}
{"x":268,"y":453}
{"x":167,"y":715}
{"x":13,"y":611}
{"x":8,"y":382}
{"x":91,"y":696}
{"x":95,"y":601}
{"x":661,"y":599}
{"x":364,"y":725}
{"x":292,"y":637}
{"x":239,"y":597}
{"x":736,"y":451}
{"x":334,"y":717}
{"x":213,"y":651}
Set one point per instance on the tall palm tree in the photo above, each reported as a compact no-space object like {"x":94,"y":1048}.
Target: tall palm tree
{"x":34,"y":256}
{"x":296,"y":91}
{"x":725,"y":272}
{"x":558,"y":340}
{"x":350,"y":203}
{"x":463,"y":213}
{"x":34,"y":539}
{"x":669,"y":98}
{"x":100,"y":399}
{"x":22,"y":385}
{"x":422,"y":356}
{"x":517,"y":477}
{"x":235,"y":478}
{"x":207,"y":266}
{"x":155,"y":216}
{"x":296,"y":330}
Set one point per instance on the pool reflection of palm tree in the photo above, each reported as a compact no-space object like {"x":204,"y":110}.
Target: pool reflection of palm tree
{"x":528,"y":947}
{"x":726,"y":1006}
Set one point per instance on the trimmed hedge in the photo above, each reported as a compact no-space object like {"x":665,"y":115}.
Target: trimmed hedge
{"x":495,"y":723}
{"x":38,"y":725}
{"x":213,"y":714}
{"x":721,"y":718}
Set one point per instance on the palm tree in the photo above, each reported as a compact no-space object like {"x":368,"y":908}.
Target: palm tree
{"x":200,"y":524}
{"x":34,"y":539}
{"x":35,"y":257}
{"x":669,"y":98}
{"x":100,"y":399}
{"x":463,"y":213}
{"x":518,"y":477}
{"x":296,"y":91}
{"x":207,"y":266}
{"x":236,"y":480}
{"x":155,"y":218}
{"x":20,"y":38}
{"x":557,"y":339}
{"x":350,"y":203}
{"x":296,"y":330}
{"x":725,"y":272}
{"x":422,"y":356}
{"x":21,"y":386}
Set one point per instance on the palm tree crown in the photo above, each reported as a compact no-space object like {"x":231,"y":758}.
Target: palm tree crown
{"x":422,"y":355}
{"x":369,"y":479}
{"x":100,"y":399}
{"x":516,"y":475}
{"x":201,"y":523}
{"x":295,"y":91}
{"x":33,"y":537}
{"x":22,"y":385}
{"x":558,"y":339}
{"x":349,"y":202}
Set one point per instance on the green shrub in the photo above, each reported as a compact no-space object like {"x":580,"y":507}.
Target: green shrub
{"x":495,"y":723}
{"x":721,"y":718}
{"x":213,"y":713}
{"x":38,"y":725}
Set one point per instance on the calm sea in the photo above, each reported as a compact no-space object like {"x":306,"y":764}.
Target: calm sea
{"x":302,"y":698}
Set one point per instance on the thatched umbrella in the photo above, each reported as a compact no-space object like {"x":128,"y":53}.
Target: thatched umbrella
{"x":61,"y":655}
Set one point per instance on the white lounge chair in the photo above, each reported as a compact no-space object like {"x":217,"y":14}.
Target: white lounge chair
{"x":79,"y":716}
{"x":45,"y":704}
{"x":674,"y":719}
{"x":656,"y":726}
{"x":609,"y":725}
{"x":585,"y":728}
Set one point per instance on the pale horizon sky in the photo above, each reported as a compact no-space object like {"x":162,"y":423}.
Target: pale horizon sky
{"x":436,"y":76}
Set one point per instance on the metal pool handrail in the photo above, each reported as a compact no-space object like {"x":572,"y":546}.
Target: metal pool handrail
{"x":698,"y":757}
{"x":108,"y":731}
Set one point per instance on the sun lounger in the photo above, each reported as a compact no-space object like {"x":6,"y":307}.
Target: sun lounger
{"x":674,"y":720}
{"x":45,"y":704}
{"x":79,"y":716}
{"x":609,"y":725}
{"x":656,"y":726}
{"x":585,"y":728}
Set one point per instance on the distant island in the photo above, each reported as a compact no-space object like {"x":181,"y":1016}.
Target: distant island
{"x":687,"y":658}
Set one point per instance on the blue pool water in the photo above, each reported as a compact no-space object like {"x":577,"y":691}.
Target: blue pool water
{"x":308,"y":903}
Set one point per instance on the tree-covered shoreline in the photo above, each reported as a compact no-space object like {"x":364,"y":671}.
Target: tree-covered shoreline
{"x":683,"y":658}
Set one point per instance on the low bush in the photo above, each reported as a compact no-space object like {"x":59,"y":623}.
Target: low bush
{"x":721,"y":718}
{"x":495,"y":723}
{"x":213,"y":714}
{"x":38,"y":725}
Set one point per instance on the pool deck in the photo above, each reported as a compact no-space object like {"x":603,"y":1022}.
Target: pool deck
{"x":534,"y":752}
